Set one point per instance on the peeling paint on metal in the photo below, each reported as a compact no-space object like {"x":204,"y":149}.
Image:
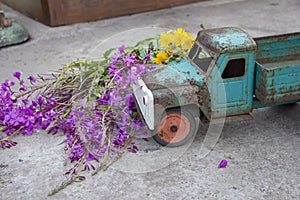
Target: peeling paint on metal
{"x":225,"y":40}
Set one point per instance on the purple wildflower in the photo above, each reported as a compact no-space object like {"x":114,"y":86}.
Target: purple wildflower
{"x":12,"y":83}
{"x":31,"y":79}
{"x":23,"y":88}
{"x":53,"y":101}
{"x":25,"y":101}
{"x":148,"y":57}
{"x":121,"y":49}
{"x":17,"y":75}
{"x":40,"y":100}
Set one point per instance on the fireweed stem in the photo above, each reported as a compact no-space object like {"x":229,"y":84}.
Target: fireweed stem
{"x":13,"y":134}
{"x":105,"y":167}
{"x":82,"y":160}
{"x":35,"y":89}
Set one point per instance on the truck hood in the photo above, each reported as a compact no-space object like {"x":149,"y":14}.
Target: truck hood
{"x":175,"y":74}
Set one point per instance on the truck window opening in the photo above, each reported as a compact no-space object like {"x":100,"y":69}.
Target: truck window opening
{"x":234,"y":68}
{"x":200,"y":57}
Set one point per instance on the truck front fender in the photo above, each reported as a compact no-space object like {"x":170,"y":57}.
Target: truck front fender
{"x":186,"y":97}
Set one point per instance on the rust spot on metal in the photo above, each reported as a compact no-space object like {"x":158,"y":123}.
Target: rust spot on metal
{"x":203,"y":97}
{"x":4,"y":22}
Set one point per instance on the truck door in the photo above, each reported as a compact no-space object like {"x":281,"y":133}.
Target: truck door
{"x":232,"y":84}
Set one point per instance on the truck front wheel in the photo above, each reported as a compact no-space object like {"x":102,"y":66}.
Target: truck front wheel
{"x":176,"y":127}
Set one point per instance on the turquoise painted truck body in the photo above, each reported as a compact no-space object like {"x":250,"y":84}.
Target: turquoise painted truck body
{"x":227,"y":73}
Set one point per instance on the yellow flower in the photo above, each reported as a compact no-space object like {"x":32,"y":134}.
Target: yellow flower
{"x":170,"y":51}
{"x":173,"y":42}
{"x":187,"y":41}
{"x":178,"y":36}
{"x":161,"y":57}
{"x":165,"y":40}
{"x":179,"y":31}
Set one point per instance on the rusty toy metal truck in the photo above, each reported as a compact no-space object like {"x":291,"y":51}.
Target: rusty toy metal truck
{"x":227,"y":74}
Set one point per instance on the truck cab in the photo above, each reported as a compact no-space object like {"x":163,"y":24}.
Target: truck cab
{"x":230,"y":74}
{"x":227,"y":73}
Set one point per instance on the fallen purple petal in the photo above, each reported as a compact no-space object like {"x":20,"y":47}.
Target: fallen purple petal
{"x":223,"y":164}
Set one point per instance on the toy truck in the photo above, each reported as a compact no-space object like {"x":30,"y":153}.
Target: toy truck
{"x":227,"y":74}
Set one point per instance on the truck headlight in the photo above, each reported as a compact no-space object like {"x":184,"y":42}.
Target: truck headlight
{"x":145,"y":102}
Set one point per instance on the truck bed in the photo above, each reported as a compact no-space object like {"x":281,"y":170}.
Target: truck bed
{"x":277,"y":69}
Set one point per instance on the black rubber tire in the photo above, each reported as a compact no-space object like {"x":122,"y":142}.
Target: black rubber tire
{"x":188,"y":137}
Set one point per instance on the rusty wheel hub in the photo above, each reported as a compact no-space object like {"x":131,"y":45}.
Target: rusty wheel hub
{"x":174,"y":128}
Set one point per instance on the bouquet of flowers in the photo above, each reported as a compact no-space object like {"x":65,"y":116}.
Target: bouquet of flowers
{"x":90,"y":102}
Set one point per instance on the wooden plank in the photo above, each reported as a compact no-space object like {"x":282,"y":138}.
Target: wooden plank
{"x":79,"y":11}
{"x":57,"y":12}
{"x":61,"y":12}
{"x":88,"y":10}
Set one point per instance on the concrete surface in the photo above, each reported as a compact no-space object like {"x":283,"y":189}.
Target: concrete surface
{"x":263,"y":153}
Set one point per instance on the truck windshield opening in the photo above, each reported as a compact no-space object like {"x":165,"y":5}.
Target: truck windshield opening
{"x":199,"y":57}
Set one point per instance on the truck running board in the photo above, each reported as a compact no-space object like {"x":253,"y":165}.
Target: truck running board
{"x":227,"y":119}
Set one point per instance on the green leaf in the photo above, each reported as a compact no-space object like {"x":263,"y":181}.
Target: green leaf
{"x":129,"y":49}
{"x":145,"y":42}
{"x":142,"y":53}
{"x":108,"y":52}
{"x":92,"y":75}
{"x":62,"y":142}
{"x":134,"y":115}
